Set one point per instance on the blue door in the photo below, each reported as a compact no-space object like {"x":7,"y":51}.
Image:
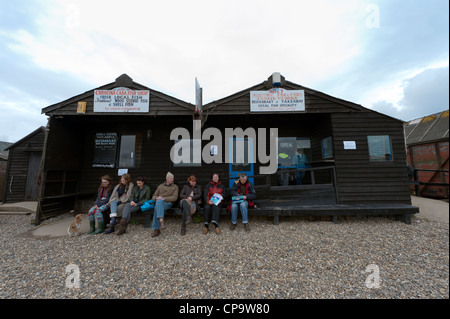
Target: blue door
{"x":240,"y":162}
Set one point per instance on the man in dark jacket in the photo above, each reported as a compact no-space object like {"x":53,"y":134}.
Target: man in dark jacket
{"x":242,"y":187}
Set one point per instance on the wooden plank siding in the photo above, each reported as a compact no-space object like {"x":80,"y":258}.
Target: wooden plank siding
{"x":159,"y":106}
{"x":363,"y":181}
{"x":241,"y":104}
{"x":18,"y":161}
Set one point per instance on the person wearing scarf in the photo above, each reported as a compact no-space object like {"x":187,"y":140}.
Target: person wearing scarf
{"x":103,"y":195}
{"x":119,"y":198}
{"x":212,"y":211}
{"x":244,"y":188}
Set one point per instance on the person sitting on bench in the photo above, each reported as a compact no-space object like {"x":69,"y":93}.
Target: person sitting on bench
{"x":141,"y":194}
{"x":166,"y":194}
{"x":189,"y":201}
{"x":242,"y":187}
{"x":212,"y":210}
{"x":119,"y":198}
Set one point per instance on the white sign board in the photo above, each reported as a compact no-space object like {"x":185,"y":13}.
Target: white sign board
{"x":277,"y":100}
{"x":349,"y":145}
{"x":121,"y":100}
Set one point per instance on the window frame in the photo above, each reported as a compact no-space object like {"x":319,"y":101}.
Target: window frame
{"x":386,"y":150}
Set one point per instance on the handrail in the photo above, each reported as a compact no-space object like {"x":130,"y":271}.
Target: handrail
{"x":312,"y":169}
{"x":417,"y":182}
{"x":432,"y":170}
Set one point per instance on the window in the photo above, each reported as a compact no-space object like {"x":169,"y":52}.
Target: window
{"x":127,"y":151}
{"x":293,"y":153}
{"x":327,"y":147}
{"x":186,"y":153}
{"x":380,"y":148}
{"x":289,"y":147}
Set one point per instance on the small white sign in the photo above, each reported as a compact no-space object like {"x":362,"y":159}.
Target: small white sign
{"x":349,"y":145}
{"x":121,"y":100}
{"x":122,"y":171}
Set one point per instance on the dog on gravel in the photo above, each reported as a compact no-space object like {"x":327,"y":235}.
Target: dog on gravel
{"x":74,"y":228}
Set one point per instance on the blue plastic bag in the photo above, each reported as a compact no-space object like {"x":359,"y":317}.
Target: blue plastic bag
{"x":148,"y":205}
{"x":237,"y":199}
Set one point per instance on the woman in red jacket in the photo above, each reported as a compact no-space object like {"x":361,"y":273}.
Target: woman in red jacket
{"x":212,"y":207}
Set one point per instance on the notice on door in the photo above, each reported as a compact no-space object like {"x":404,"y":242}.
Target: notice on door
{"x":121,"y":100}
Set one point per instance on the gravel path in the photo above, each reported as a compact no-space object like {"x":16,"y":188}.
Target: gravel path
{"x":297,"y":259}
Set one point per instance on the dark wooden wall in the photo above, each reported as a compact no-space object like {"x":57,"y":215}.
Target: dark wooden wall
{"x":3,"y":166}
{"x":363,"y":181}
{"x":18,"y":169}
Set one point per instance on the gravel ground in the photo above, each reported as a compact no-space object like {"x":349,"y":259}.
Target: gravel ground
{"x":299,"y":258}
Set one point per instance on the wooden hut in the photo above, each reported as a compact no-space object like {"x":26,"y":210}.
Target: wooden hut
{"x":356,"y":159}
{"x":24,"y":160}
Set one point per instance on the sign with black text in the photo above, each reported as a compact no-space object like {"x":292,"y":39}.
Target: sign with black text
{"x":121,"y":100}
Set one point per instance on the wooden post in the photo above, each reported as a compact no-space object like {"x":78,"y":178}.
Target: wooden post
{"x":417,"y":185}
{"x":42,"y":177}
{"x":440,"y":166}
{"x":276,"y":218}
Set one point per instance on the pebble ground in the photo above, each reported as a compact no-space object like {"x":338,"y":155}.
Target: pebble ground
{"x":300,"y":258}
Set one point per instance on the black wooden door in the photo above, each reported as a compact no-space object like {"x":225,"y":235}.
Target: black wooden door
{"x":31,"y":190}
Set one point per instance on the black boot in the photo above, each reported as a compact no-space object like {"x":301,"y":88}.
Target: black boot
{"x":112,"y":226}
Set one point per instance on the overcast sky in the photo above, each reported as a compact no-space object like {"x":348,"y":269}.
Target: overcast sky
{"x":390,"y":56}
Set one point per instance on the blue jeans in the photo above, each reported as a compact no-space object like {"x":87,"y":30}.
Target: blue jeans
{"x":244,"y":212}
{"x":113,"y":209}
{"x":160,"y":207}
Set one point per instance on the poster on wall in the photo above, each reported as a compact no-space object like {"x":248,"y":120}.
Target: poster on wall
{"x":277,"y":100}
{"x":105,"y":150}
{"x":121,"y":100}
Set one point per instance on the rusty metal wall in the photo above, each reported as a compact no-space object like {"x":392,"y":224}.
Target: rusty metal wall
{"x":431,"y":156}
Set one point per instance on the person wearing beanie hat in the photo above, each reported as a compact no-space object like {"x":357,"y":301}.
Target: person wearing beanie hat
{"x":165,"y":195}
{"x":169,"y":175}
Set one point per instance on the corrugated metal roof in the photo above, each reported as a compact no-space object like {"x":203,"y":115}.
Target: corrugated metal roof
{"x":427,"y":129}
